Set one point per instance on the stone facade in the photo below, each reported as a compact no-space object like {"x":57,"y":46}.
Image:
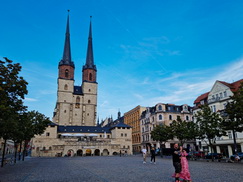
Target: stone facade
{"x":73,"y":131}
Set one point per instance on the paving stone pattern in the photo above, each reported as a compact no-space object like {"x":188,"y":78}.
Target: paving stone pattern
{"x":115,"y":169}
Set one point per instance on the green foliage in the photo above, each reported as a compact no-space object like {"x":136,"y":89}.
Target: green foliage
{"x":233,"y":118}
{"x":209,"y":124}
{"x":161,"y":133}
{"x":13,"y":88}
{"x":184,"y":130}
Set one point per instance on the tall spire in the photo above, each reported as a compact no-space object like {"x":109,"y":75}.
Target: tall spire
{"x":66,"y":59}
{"x":90,"y":58}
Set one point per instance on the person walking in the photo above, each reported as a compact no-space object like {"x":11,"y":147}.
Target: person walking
{"x":144,"y":151}
{"x":185,"y":173}
{"x":176,"y":162}
{"x":152,"y":151}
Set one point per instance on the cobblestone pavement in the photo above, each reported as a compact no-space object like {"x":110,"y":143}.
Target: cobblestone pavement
{"x":115,"y":169}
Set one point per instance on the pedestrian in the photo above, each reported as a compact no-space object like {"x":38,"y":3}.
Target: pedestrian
{"x":176,"y":162}
{"x":144,"y":151}
{"x":185,"y":173}
{"x":152,"y":151}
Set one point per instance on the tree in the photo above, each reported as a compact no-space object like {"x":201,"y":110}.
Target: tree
{"x":32,"y":123}
{"x":183,"y":130}
{"x":209,"y":125}
{"x":162,"y":134}
{"x":233,"y":114}
{"x":13,"y":88}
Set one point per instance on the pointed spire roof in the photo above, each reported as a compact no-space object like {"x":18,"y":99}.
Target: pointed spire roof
{"x":90,"y":57}
{"x":66,"y":59}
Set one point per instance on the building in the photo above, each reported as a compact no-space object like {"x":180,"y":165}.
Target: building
{"x":132,"y":118}
{"x":163,"y":114}
{"x":217,"y":99}
{"x":74,"y":131}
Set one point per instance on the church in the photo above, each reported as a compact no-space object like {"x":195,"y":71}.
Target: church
{"x":74,"y":131}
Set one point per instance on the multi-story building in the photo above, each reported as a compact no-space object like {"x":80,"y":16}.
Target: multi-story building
{"x":132,"y":118}
{"x":163,"y":114}
{"x":217,"y":99}
{"x":74,"y":130}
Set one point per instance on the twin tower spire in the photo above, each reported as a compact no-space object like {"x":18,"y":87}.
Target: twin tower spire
{"x":66,"y":60}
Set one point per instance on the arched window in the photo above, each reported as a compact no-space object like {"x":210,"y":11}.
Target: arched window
{"x":78,"y":99}
{"x":90,"y":76}
{"x":66,"y":87}
{"x":89,"y":101}
{"x":170,"y":117}
{"x":66,"y":73}
{"x":160,"y":107}
{"x":187,"y":118}
{"x":160,"y":117}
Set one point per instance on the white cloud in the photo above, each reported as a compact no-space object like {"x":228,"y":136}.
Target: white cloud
{"x":30,"y":99}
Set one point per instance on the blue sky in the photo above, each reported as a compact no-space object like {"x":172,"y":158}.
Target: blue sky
{"x":146,"y":52}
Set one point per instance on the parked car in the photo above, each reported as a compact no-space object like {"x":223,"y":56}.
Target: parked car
{"x":199,"y":154}
{"x":214,"y":156}
{"x":240,"y":154}
{"x":195,"y":155}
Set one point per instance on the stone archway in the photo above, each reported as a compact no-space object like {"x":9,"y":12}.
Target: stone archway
{"x":70,"y":153}
{"x":80,"y":152}
{"x":88,"y":152}
{"x":115,"y":153}
{"x":105,"y":152}
{"x":97,"y":152}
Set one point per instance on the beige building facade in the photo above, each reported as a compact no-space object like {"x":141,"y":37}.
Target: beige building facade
{"x":163,"y":114}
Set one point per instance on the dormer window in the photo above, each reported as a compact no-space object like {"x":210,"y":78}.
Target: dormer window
{"x":160,"y":108}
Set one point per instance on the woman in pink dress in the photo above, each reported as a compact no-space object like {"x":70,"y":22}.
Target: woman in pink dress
{"x":185,"y":173}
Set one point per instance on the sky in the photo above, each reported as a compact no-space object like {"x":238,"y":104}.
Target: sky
{"x":146,"y":51}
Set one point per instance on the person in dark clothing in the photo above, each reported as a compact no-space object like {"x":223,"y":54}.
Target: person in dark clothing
{"x":152,"y":151}
{"x":176,"y":162}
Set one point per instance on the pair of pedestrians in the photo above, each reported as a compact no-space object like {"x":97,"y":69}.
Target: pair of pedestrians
{"x":152,"y":151}
{"x":180,"y":164}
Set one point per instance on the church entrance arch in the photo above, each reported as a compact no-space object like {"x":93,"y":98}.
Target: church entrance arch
{"x":105,"y":152}
{"x":80,"y":152}
{"x":88,"y":152}
{"x":97,"y":152}
{"x":70,"y":153}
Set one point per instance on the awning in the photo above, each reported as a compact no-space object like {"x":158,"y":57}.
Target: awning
{"x":66,"y":134}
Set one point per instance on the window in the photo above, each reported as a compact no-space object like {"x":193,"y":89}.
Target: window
{"x":170,"y":117}
{"x":66,"y":87}
{"x":160,"y":107}
{"x":125,"y":135}
{"x":47,"y":134}
{"x":66,"y":73}
{"x":230,"y":134}
{"x":160,"y":117}
{"x":78,"y":99}
{"x":221,"y":95}
{"x":187,"y":118}
{"x":121,"y":134}
{"x":90,"y":76}
{"x":225,"y":94}
{"x":89,"y":101}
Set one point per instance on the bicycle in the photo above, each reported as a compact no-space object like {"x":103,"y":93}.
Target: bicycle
{"x":9,"y":161}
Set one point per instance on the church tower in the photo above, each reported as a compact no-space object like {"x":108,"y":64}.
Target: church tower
{"x":89,"y":84}
{"x":76,"y":105}
{"x":62,"y":115}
